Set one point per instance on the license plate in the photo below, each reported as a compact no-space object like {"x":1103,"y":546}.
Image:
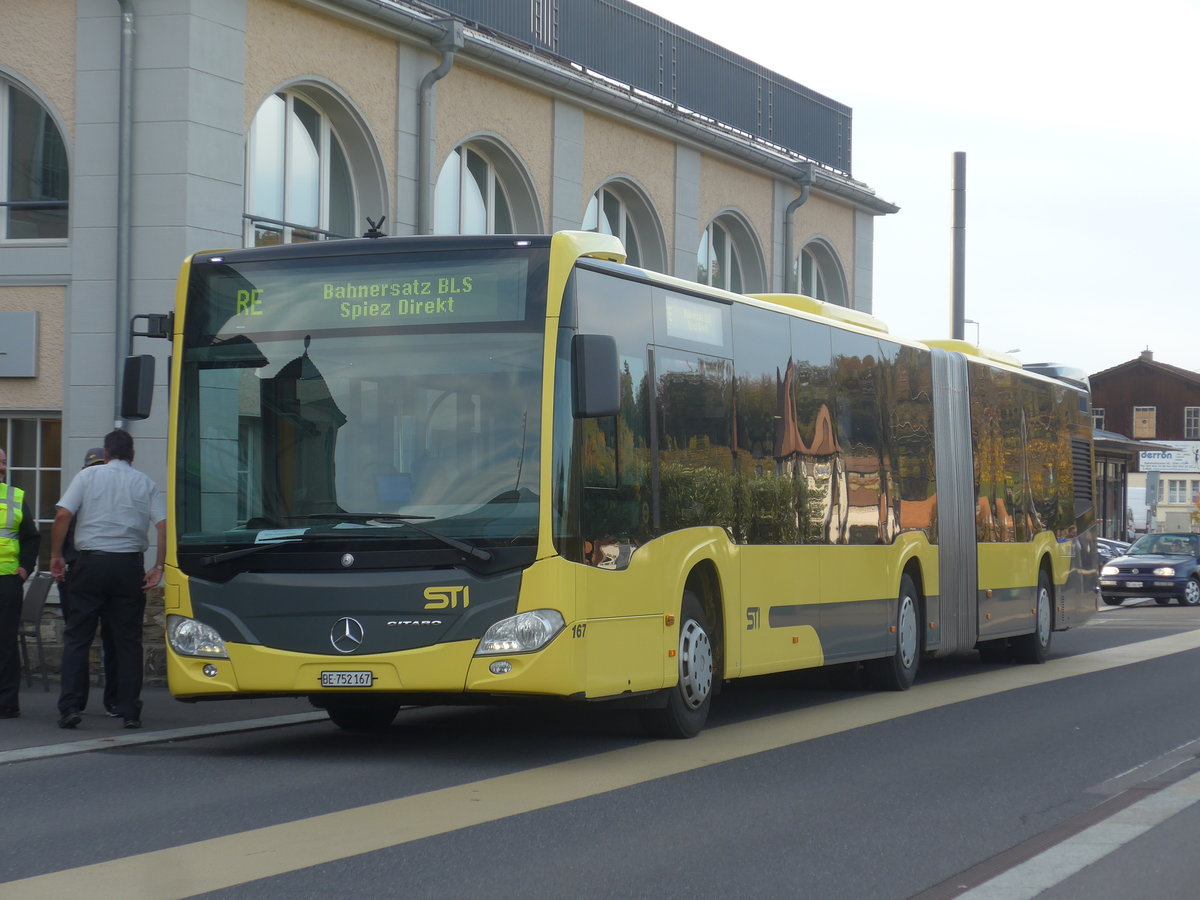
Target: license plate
{"x":1130,"y":584}
{"x":346,"y":679}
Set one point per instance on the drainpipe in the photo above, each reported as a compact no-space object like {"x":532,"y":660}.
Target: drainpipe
{"x":451,"y":40}
{"x":124,"y":203}
{"x":804,"y":178}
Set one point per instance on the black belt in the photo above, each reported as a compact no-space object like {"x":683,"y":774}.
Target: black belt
{"x":110,"y":553}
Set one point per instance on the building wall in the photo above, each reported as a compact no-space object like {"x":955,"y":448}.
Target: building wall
{"x":614,"y":148}
{"x":46,"y":390}
{"x":1119,"y":390}
{"x":286,"y":43}
{"x":202,"y":68}
{"x":37,"y":46}
{"x":472,"y":102}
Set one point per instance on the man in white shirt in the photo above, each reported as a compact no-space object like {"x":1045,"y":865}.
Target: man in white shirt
{"x":114,"y":506}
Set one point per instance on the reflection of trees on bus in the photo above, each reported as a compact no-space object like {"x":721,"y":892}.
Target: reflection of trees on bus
{"x":1023,"y":465}
{"x":827,"y":448}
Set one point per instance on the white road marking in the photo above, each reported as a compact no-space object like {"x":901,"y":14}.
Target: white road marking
{"x":1060,"y":862}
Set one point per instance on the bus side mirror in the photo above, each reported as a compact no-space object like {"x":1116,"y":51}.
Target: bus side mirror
{"x":137,"y":388}
{"x":597,"y":385}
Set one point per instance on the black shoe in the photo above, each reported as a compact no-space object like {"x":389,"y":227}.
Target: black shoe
{"x":111,"y":712}
{"x":133,"y":723}
{"x":9,"y":712}
{"x":69,"y":719}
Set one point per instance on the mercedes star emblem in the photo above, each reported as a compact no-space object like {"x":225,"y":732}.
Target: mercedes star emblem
{"x":346,"y":635}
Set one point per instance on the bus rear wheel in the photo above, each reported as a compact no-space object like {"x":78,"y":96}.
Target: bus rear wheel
{"x":350,"y":716}
{"x":898,"y":671}
{"x":687,"y":705}
{"x":1035,"y":647}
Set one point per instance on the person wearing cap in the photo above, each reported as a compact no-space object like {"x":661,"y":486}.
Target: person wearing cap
{"x":19,"y":542}
{"x":115,"y":506}
{"x":94,"y":457}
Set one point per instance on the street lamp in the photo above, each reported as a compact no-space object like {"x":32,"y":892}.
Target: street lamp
{"x":976,"y":324}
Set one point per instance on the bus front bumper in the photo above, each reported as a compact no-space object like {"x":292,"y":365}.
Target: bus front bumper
{"x":451,"y":670}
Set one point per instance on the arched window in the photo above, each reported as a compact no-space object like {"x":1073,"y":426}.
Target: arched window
{"x":820,"y":274}
{"x":470,"y":197}
{"x":34,"y":176}
{"x":728,"y":257}
{"x":299,"y":181}
{"x":717,"y":261}
{"x":620,"y":209}
{"x":484,"y":189}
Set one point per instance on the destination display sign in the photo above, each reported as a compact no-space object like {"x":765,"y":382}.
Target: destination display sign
{"x":276,"y":298}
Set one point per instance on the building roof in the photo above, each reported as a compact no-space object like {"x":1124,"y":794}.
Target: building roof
{"x":1112,"y":442}
{"x":1147,"y":361}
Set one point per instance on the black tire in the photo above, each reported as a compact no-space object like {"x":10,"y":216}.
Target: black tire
{"x":898,"y":671}
{"x":362,"y":716}
{"x":1112,"y":601}
{"x":688,"y":702}
{"x":1191,"y":593}
{"x":1035,"y":647}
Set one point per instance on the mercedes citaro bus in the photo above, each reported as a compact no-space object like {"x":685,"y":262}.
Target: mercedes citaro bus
{"x":481,"y":469}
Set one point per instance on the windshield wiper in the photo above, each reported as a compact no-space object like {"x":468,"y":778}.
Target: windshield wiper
{"x":245,"y":551}
{"x":461,"y":546}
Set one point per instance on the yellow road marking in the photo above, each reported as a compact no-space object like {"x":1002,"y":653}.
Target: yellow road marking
{"x":235,"y":859}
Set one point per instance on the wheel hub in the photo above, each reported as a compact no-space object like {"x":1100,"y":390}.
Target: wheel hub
{"x":907,"y":627}
{"x":695,"y":664}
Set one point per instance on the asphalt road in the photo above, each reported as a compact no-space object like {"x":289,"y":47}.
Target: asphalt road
{"x":802,"y":786}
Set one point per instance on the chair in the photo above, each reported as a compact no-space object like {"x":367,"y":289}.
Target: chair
{"x":36,"y":591}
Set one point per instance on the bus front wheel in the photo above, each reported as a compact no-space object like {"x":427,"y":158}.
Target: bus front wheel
{"x":686,"y":709}
{"x":898,"y":671}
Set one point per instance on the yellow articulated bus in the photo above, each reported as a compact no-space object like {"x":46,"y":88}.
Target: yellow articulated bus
{"x":481,"y":469}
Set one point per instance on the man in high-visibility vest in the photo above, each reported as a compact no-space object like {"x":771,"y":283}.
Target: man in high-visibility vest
{"x":19,"y":541}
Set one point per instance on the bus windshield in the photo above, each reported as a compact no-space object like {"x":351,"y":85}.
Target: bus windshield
{"x":344,"y":397}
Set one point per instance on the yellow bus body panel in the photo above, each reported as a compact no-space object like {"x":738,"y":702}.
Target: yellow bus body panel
{"x":770,"y":577}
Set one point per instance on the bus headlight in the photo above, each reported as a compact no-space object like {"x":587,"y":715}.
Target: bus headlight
{"x":1110,"y":570}
{"x":191,"y":638}
{"x":522,"y":633}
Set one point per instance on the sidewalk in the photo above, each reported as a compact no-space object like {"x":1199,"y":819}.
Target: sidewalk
{"x":38,"y":724}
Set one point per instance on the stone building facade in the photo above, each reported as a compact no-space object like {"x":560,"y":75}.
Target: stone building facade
{"x":135,"y":132}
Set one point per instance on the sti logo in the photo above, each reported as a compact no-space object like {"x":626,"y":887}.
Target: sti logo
{"x":447,"y":597}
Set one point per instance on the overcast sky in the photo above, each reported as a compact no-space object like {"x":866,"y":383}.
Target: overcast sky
{"x":1080,"y":125}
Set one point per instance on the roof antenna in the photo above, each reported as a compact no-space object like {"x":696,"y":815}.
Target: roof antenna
{"x":373,"y":231}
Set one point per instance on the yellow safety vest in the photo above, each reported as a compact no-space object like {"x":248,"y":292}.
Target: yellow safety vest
{"x":11,"y":509}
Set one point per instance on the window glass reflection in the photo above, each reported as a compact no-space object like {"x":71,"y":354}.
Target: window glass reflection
{"x":37,"y":183}
{"x":469,"y":197}
{"x":299,"y":178}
